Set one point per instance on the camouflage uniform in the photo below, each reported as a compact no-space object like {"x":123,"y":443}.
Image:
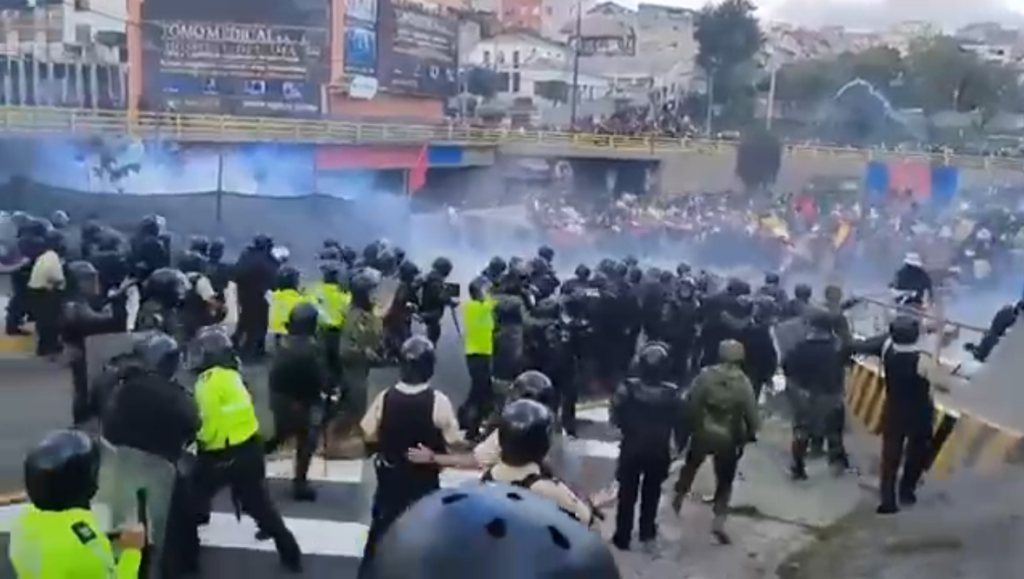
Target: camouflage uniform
{"x":723,"y":418}
{"x":361,"y":340}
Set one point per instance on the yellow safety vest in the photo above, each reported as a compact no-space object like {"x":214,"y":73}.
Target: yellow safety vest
{"x":225,"y":408}
{"x":479,"y":321}
{"x":59,"y":544}
{"x":332,"y":302}
{"x":282,"y":302}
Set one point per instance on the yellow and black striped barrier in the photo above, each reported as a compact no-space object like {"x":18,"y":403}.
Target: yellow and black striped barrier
{"x":961,"y":441}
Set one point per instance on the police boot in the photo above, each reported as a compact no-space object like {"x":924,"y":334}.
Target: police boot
{"x":302,"y":491}
{"x":718,"y":530}
{"x":798,"y":468}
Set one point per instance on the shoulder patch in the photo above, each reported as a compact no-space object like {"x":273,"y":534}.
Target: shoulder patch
{"x":84,"y":532}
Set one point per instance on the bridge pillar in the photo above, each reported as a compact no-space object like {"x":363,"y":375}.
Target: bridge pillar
{"x":612,"y":178}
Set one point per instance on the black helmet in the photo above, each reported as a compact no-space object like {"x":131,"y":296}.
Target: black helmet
{"x":416,"y":361}
{"x":158,"y":353}
{"x":288,"y":278}
{"x":772,"y":279}
{"x":82,"y":278}
{"x":216,"y":249}
{"x":905,"y":330}
{"x":821,"y":321}
{"x":212,"y":348}
{"x":408,"y":271}
{"x":490,"y":526}
{"x":683,"y":269}
{"x":653,"y":363}
{"x":737,"y":287}
{"x":582,"y":272}
{"x":496,"y":267}
{"x":192,"y":262}
{"x":802,"y":292}
{"x":524,"y":432}
{"x":263,"y":242}
{"x":62,"y":471}
{"x":442,"y":266}
{"x":199,"y":244}
{"x":303,"y":320}
{"x":331,"y":271}
{"x":546,"y":253}
{"x":536,"y":386}
{"x":364,"y":282}
{"x":168,"y":286}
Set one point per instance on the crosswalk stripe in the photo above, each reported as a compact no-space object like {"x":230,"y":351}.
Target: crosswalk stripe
{"x":315,"y":536}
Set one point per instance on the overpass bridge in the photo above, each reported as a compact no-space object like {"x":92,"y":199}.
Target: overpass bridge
{"x":700,"y":163}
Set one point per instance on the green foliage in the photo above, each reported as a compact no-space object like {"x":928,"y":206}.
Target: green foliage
{"x":552,"y":90}
{"x":481,"y":82}
{"x":758,"y":159}
{"x":727,"y":35}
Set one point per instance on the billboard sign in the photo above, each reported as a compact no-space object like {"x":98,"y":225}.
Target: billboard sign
{"x":263,"y":58}
{"x":419,"y":51}
{"x":361,"y":37}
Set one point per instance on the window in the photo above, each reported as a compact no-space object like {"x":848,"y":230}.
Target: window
{"x":83,"y":34}
{"x":516,"y":82}
{"x":515,"y":59}
{"x":501,"y":57}
{"x":487,"y":57}
{"x":82,"y":6}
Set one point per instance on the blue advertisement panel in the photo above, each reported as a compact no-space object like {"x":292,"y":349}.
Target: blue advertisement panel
{"x":260,"y":57}
{"x":419,"y":49}
{"x":361,"y":37}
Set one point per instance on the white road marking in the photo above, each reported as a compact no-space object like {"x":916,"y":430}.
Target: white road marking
{"x":315,"y":537}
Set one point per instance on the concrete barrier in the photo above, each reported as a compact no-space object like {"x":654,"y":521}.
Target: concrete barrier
{"x":961,"y":441}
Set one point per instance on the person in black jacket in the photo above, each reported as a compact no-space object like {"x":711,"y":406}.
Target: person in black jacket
{"x":649,"y":412}
{"x":150,"y":410}
{"x":815,"y":381}
{"x":81,"y":320}
{"x":299,"y":383}
{"x":255,"y":273}
{"x":1004,"y":319}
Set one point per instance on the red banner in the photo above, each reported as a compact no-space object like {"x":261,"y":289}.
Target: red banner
{"x":915,"y":176}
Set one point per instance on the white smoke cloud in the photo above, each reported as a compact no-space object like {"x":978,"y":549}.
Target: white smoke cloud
{"x":874,"y":14}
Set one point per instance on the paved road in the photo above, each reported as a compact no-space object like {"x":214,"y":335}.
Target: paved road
{"x":331,"y":531}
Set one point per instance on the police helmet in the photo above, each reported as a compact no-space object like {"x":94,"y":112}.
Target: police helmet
{"x":168,"y":286}
{"x":905,"y":330}
{"x":821,"y":322}
{"x":149,"y":226}
{"x":158,"y":353}
{"x":489,"y":526}
{"x":60,"y":219}
{"x":348,"y":255}
{"x":212,"y":348}
{"x":653,"y":362}
{"x":288,"y":277}
{"x":331,"y":243}
{"x":416,"y":361}
{"x":62,"y":471}
{"x":329,"y":254}
{"x":496,"y":267}
{"x":216,"y":250}
{"x":442,"y":266}
{"x":364,"y":282}
{"x":524,"y":432}
{"x":772,"y":279}
{"x":631,"y":260}
{"x":262,"y":242}
{"x":82,"y":278}
{"x":666,"y":277}
{"x":331,"y":271}
{"x":536,"y":386}
{"x":199,"y":244}
{"x":582,"y":272}
{"x":683,"y":269}
{"x":802,"y":292}
{"x":635,"y":276}
{"x":538,"y":266}
{"x":303,"y":320}
{"x":408,"y":271}
{"x":192,"y":262}
{"x":731,"y":351}
{"x":737,"y":287}
{"x":546,"y":253}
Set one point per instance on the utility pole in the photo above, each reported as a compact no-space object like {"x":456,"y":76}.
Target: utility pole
{"x":771,"y":96}
{"x":576,"y":66}
{"x":710,"y":108}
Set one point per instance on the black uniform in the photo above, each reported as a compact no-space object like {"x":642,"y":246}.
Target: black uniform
{"x":81,"y":320}
{"x":299,"y":384}
{"x":434,"y":298}
{"x":406,"y":421}
{"x":648,"y":411}
{"x":914,"y":280}
{"x":1004,"y":319}
{"x":255,"y":273}
{"x":907,"y":416}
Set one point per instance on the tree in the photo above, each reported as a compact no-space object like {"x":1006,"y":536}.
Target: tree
{"x":552,"y":90}
{"x":805,"y":82}
{"x":758,"y":159}
{"x":481,"y":82}
{"x":727,"y":36}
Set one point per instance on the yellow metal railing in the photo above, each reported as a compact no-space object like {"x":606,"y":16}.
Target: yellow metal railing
{"x":220,"y":128}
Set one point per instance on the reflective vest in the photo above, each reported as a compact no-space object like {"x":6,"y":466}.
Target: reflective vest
{"x":332,"y":302}
{"x":225,"y":408}
{"x":479,"y":322}
{"x":281,"y":304}
{"x":59,"y":544}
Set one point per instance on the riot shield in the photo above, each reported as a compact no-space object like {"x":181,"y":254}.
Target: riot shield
{"x":124,"y":472}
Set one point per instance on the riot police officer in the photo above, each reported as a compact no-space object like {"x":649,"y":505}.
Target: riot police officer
{"x":648,"y":410}
{"x":524,"y":435}
{"x":57,"y":535}
{"x":404,"y":305}
{"x":299,"y":383}
{"x":408,"y":415}
{"x":163,"y":295}
{"x":255,"y":272}
{"x":230,"y":451}
{"x":361,"y":348}
{"x":81,"y":320}
{"x":525,"y":522}
{"x":286,"y":295}
{"x":332,"y":299}
{"x":435,"y":297}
